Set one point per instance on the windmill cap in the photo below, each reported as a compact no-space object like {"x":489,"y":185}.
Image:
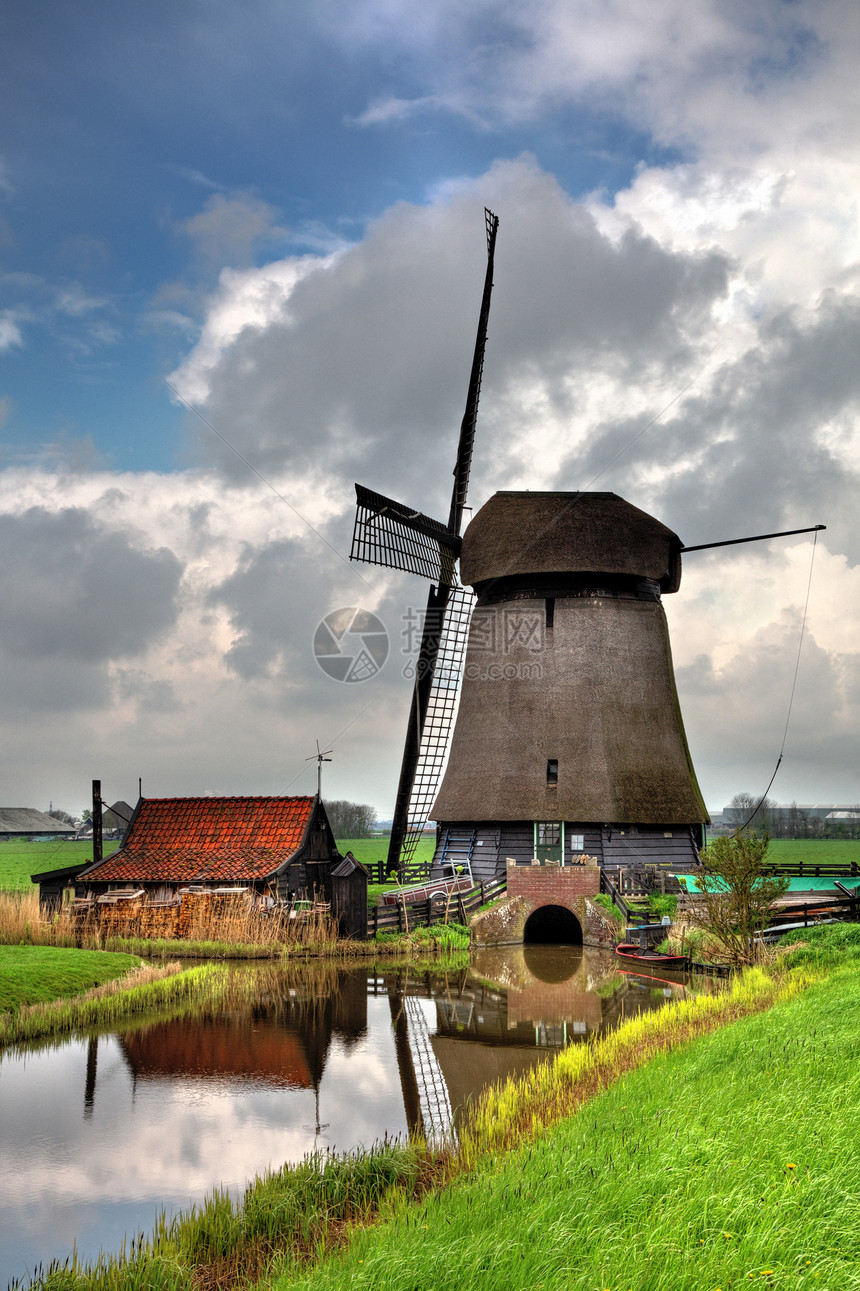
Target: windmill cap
{"x":568,"y":533}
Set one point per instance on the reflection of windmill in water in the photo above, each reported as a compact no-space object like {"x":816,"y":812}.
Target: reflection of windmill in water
{"x":568,"y":736}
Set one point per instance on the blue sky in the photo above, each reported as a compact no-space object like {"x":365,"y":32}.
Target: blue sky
{"x":277,"y":209}
{"x":122,"y":124}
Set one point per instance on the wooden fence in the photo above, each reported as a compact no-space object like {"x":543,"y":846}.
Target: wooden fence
{"x":800,"y":869}
{"x":407,"y":915}
{"x":631,"y":915}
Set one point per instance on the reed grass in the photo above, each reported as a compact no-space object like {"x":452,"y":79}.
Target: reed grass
{"x":242,"y":933}
{"x":21,"y":922}
{"x":148,"y":989}
{"x":285,"y":1219}
{"x":543,"y":1096}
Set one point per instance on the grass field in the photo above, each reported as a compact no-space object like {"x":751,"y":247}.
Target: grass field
{"x":36,"y":974}
{"x":370,"y":851}
{"x":699,"y":1171}
{"x":814,"y":851}
{"x":19,"y":860}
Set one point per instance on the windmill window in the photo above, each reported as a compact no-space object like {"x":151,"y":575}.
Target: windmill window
{"x":552,"y":771}
{"x":577,"y":842}
{"x":550,"y":613}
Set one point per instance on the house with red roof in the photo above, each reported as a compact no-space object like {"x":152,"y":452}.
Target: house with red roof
{"x":278,"y":847}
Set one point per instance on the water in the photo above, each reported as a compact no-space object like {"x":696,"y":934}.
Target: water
{"x":99,"y":1135}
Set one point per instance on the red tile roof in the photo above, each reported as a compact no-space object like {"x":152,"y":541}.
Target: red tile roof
{"x":197,"y":840}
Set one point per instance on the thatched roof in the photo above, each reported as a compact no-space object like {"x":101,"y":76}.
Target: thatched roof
{"x":598,"y":698}
{"x":547,"y":533}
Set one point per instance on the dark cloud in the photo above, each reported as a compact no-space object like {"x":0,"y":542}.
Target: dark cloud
{"x":738,"y":714}
{"x":366,"y":373}
{"x":76,"y":595}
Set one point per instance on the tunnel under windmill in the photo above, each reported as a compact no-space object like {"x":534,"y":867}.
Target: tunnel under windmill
{"x":552,"y":925}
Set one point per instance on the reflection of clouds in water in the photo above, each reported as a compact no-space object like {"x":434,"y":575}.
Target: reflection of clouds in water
{"x":360,"y":1090}
{"x":176,"y":1140}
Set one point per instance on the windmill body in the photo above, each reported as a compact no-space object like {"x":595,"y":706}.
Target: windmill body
{"x":569,"y":737}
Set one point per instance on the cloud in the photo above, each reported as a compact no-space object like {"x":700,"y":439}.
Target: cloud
{"x":75,"y":596}
{"x":385,"y":111}
{"x":708,"y":75}
{"x":10,"y":332}
{"x":232,"y":227}
{"x":363,"y":357}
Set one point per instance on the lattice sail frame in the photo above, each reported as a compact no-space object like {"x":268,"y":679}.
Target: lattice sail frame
{"x":390,"y":534}
{"x":441,"y":712}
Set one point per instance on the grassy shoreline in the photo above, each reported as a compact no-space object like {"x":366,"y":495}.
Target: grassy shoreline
{"x":146,"y":989}
{"x":38,"y":974}
{"x":297,"y":1217}
{"x":695,"y":1172}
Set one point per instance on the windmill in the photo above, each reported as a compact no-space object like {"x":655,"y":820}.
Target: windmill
{"x":557,"y":666}
{"x":398,"y":537}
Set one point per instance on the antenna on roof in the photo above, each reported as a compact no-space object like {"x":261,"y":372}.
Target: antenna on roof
{"x":319,"y":758}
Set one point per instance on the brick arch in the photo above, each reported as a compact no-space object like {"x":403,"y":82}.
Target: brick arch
{"x":553,"y":922}
{"x":535,"y":887}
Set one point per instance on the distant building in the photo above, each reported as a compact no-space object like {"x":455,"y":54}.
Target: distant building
{"x":27,"y":822}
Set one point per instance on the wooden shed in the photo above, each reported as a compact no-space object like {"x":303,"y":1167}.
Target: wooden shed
{"x":278,"y":847}
{"x":348,"y":896}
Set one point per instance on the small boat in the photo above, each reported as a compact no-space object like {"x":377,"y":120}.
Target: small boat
{"x":630,"y":950}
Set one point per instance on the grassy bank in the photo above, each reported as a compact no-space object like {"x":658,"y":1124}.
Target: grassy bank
{"x":36,"y":974}
{"x":713,"y":1166}
{"x":433,"y":1205}
{"x":147,"y":990}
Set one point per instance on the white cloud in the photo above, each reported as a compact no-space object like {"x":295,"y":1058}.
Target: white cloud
{"x":10,"y":332}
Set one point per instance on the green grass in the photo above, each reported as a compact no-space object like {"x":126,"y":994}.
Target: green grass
{"x":148,"y":991}
{"x":370,"y":851}
{"x":813,"y":851}
{"x":35,"y":974}
{"x":729,"y":1161}
{"x":19,"y":860}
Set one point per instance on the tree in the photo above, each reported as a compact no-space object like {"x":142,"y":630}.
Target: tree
{"x":57,"y":813}
{"x":350,"y":819}
{"x":745,"y":809}
{"x":737,"y":896}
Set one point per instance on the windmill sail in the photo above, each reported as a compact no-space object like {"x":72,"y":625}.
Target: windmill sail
{"x":390,"y":534}
{"x":439,"y":718}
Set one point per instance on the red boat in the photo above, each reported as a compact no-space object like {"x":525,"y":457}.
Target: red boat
{"x":629,"y":950}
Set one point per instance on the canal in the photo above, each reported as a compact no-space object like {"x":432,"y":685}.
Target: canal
{"x":99,"y":1134}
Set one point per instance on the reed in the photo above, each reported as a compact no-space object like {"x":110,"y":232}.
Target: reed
{"x":21,"y":922}
{"x":284,"y":1219}
{"x":526,"y":1107}
{"x":147,"y":990}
